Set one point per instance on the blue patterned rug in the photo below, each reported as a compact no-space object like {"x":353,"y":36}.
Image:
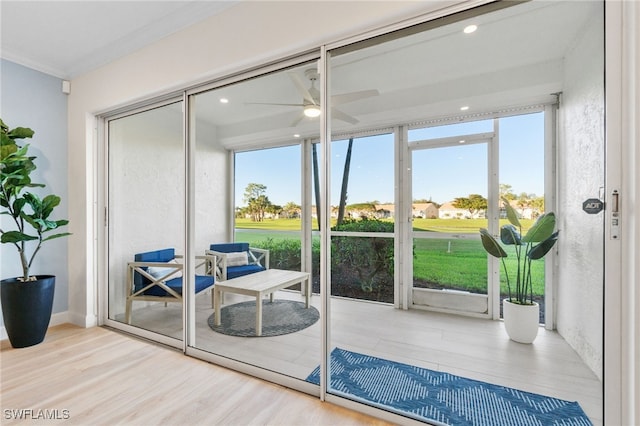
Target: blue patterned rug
{"x":443,"y":398}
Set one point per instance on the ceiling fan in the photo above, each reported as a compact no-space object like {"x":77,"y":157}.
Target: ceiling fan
{"x":311,"y":99}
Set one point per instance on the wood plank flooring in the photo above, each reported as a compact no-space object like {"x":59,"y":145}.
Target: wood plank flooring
{"x":469,"y":347}
{"x":100,"y":377}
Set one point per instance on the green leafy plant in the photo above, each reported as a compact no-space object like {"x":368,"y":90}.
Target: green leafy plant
{"x":370,"y":259}
{"x":29,"y":212}
{"x":537,"y":242}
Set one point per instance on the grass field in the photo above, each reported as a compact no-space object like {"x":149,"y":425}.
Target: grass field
{"x":432,"y":225}
{"x":462,"y":266}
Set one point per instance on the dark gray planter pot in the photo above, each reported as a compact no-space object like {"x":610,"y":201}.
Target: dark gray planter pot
{"x":26,"y":309}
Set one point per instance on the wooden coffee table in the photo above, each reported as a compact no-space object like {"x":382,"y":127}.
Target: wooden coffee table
{"x":258,"y":285}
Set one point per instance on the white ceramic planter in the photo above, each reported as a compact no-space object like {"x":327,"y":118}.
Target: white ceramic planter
{"x":521,"y":321}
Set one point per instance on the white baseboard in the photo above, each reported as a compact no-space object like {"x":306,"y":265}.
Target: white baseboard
{"x":56,"y":319}
{"x":85,"y":321}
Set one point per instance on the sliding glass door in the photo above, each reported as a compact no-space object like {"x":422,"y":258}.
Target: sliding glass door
{"x":146,"y":176}
{"x":251,"y":210}
{"x":316,"y":222}
{"x":477,"y":108}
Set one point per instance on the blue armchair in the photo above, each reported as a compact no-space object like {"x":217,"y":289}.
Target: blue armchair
{"x":156,"y":276}
{"x":237,"y":259}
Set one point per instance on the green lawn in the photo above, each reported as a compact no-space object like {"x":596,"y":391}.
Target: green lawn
{"x":462,"y":266}
{"x":433,"y":225}
{"x":272,"y":224}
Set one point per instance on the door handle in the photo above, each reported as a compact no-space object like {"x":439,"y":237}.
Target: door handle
{"x":615,"y":215}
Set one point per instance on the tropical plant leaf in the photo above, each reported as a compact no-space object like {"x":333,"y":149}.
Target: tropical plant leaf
{"x":18,"y":204}
{"x":491,"y":245}
{"x":31,"y":220}
{"x":509,"y":235}
{"x":46,"y":225}
{"x":51,"y":237}
{"x":20,"y":133}
{"x":540,"y":250}
{"x":541,"y":229}
{"x":512,"y":215}
{"x":7,"y":149}
{"x":16,"y":237}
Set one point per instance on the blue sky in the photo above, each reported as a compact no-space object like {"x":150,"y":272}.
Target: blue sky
{"x":439,"y":174}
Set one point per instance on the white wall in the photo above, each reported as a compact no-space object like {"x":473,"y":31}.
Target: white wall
{"x":212,"y":191}
{"x":34,"y":99}
{"x":580,"y":176}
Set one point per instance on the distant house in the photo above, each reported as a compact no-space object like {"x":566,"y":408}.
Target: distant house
{"x":385,"y":211}
{"x":425,"y":211}
{"x":524,"y":210}
{"x":448,"y":211}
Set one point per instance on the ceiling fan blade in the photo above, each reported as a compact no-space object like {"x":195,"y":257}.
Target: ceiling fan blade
{"x":301,"y":88}
{"x":335,"y":113}
{"x":271,"y":103}
{"x":297,"y":120}
{"x":353,"y":96}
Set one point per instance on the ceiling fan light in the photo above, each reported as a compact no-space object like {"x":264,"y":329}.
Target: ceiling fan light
{"x":311,"y":111}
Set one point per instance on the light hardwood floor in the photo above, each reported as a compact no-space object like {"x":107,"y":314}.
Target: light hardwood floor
{"x":469,"y":347}
{"x":100,"y":377}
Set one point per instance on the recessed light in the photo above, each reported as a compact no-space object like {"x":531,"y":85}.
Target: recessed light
{"x":461,"y":141}
{"x":464,"y":108}
{"x":296,"y":135}
{"x":470,"y":29}
{"x":224,"y":100}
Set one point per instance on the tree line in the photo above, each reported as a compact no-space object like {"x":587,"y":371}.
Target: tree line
{"x":258,"y":203}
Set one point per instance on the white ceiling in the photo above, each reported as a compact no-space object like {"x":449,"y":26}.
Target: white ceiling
{"x":515,"y":58}
{"x":68,"y":38}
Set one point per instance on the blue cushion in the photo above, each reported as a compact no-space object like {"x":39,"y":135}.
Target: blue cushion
{"x":163,"y":255}
{"x":230,"y":247}
{"x":238,"y":271}
{"x":203,"y":282}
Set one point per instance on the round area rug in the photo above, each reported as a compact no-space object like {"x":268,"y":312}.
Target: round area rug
{"x":279,"y":317}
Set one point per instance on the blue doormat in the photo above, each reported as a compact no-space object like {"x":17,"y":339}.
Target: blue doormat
{"x":442,"y":398}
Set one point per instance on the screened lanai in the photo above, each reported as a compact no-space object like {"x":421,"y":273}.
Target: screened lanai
{"x":493,"y":102}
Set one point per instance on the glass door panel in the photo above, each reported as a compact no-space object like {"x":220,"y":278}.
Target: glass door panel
{"x":146,"y":220}
{"x":449,"y":76}
{"x":249,"y":210}
{"x":450,"y":204}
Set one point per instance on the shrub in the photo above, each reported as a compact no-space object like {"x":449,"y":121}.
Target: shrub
{"x":365,"y":262}
{"x":286,"y":254}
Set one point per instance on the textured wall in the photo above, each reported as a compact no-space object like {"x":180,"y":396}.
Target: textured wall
{"x":580,"y":176}
{"x":147,"y":191}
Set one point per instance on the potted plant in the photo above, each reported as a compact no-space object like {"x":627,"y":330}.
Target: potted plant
{"x":27,"y":300}
{"x":521,"y":314}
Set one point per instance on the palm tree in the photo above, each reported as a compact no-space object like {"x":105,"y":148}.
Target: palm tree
{"x":345,"y":183}
{"x":316,"y":182}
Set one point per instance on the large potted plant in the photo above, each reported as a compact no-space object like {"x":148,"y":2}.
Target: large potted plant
{"x":26,"y":300}
{"x":520,"y":312}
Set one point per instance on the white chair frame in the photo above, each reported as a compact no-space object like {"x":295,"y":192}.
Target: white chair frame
{"x":206,"y":261}
{"x":256,"y":256}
